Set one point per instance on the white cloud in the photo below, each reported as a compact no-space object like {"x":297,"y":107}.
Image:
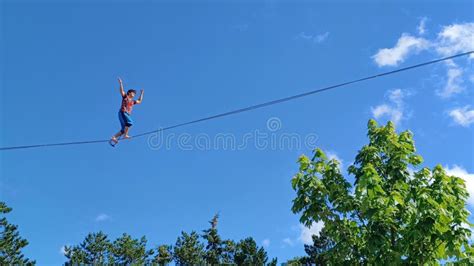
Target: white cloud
{"x":62,"y":250}
{"x":395,"y":110}
{"x":394,"y":114}
{"x":456,"y":38}
{"x":102,"y":217}
{"x":454,"y":81}
{"x":396,"y":96}
{"x":468,"y":178}
{"x":266,"y":243}
{"x":422,"y":26}
{"x":467,"y":226}
{"x":462,"y":116}
{"x":306,"y":234}
{"x":451,"y":39}
{"x":318,"y":38}
{"x":332,"y":155}
{"x":321,"y":37}
{"x":405,"y":46}
{"x":288,"y":241}
{"x":381,"y":110}
{"x":305,"y":36}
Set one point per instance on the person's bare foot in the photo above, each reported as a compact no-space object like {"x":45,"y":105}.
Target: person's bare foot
{"x":114,"y":139}
{"x":126,"y":137}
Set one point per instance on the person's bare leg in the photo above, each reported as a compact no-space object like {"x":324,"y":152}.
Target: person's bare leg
{"x":116,"y":136}
{"x":125,"y":132}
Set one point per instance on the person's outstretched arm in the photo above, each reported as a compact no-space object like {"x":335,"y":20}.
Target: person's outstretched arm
{"x":140,"y":99}
{"x":122,"y":91}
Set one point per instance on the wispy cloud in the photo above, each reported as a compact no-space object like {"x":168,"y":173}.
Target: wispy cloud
{"x":318,"y":38}
{"x":287,"y":241}
{"x":333,"y":155}
{"x":468,"y":178}
{"x":452,"y":39}
{"x":463,"y":116}
{"x":405,"y":46}
{"x":266,"y":243}
{"x":456,"y":38}
{"x":454,"y":82}
{"x":306,"y":234}
{"x":395,"y":109}
{"x":62,"y":250}
{"x":422,"y":26}
{"x":102,"y":217}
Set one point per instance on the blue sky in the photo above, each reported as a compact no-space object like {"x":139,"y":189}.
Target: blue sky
{"x":60,"y":62}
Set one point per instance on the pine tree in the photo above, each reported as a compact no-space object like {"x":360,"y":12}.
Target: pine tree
{"x":228,"y":252}
{"x":248,"y":253}
{"x":11,"y":242}
{"x":164,"y":255}
{"x":273,"y":262}
{"x":317,"y":252}
{"x":75,"y":255}
{"x":188,"y":250}
{"x":93,"y":250}
{"x":129,"y":251}
{"x":214,"y":248}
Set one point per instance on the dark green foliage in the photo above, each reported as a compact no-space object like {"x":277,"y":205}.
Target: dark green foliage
{"x":164,"y":255}
{"x":273,"y":262}
{"x":11,"y":243}
{"x":96,"y":249}
{"x":129,"y":251}
{"x":188,"y":250}
{"x":317,"y":252}
{"x":248,"y":253}
{"x":214,"y":248}
{"x":393,"y":217}
{"x":228,"y":252}
{"x":93,"y":250}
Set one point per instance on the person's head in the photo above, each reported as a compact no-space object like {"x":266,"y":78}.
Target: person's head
{"x":131,"y":93}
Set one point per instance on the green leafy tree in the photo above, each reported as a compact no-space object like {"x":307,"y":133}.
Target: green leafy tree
{"x":11,"y":242}
{"x":248,"y":253}
{"x":394,"y":216}
{"x":188,"y":250}
{"x":214,"y":248}
{"x":129,"y":251}
{"x":93,"y":250}
{"x":164,"y":255}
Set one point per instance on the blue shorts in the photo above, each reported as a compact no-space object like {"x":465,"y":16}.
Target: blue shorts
{"x":125,"y":120}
